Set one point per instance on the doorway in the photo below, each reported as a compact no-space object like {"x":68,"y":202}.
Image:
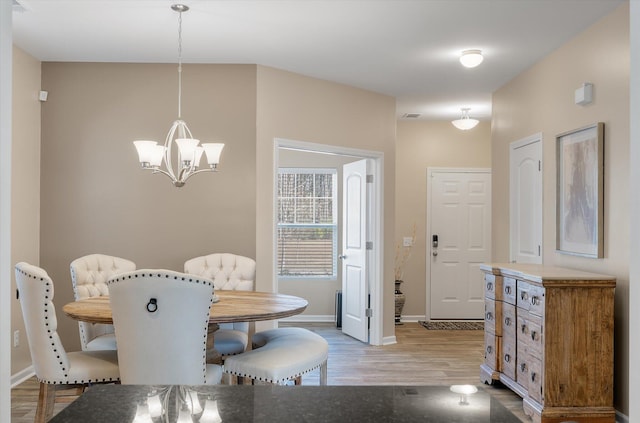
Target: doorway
{"x":374,"y":295}
{"x":525,"y":203}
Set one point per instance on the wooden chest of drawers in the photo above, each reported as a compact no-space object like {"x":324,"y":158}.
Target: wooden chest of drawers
{"x":549,"y":338}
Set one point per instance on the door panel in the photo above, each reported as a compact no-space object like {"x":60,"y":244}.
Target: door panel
{"x":460,"y":216}
{"x":526,"y":200}
{"x":355,"y":292}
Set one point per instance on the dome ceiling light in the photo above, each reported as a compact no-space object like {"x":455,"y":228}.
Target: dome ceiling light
{"x":465,"y":122}
{"x":471,"y":58}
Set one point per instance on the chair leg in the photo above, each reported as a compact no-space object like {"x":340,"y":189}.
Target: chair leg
{"x":46,"y":401}
{"x":323,"y":374}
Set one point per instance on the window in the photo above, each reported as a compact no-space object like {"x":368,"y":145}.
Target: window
{"x":307,"y":223}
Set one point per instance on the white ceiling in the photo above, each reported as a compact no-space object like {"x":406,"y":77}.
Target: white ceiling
{"x":404,"y":48}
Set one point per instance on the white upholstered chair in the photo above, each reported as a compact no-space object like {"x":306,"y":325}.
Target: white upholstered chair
{"x":89,"y":276}
{"x":281,"y":355}
{"x":54,"y":367}
{"x":230,"y":272}
{"x":161,"y":319}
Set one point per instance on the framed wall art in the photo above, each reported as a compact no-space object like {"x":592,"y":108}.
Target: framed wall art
{"x":579,"y":191}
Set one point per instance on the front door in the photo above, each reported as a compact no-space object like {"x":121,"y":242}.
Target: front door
{"x":355,"y":291}
{"x":459,"y":225}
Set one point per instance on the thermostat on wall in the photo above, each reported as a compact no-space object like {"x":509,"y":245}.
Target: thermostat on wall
{"x":584,"y":94}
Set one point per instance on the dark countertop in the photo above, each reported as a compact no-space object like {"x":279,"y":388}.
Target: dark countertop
{"x":265,"y":403}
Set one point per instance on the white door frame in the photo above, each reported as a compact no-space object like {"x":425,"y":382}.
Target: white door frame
{"x":376,"y":267}
{"x":430,"y":171}
{"x":512,"y":198}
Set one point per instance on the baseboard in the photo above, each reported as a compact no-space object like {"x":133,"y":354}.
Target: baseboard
{"x":21,"y":376}
{"x":389,"y":340}
{"x":310,"y":318}
{"x":415,"y":318}
{"x":621,"y":418}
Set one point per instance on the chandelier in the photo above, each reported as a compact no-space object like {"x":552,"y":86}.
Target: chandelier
{"x":160,"y":158}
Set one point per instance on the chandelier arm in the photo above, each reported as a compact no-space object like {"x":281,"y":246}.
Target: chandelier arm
{"x":190,"y":174}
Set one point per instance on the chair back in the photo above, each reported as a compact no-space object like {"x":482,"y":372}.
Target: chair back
{"x":161,"y":319}
{"x":89,"y":276}
{"x":228,"y":271}
{"x":48,"y":356}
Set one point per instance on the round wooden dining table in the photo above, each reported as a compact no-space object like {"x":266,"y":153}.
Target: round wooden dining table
{"x":232,"y":306}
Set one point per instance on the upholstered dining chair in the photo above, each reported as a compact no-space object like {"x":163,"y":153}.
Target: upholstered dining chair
{"x":230,"y":272}
{"x":161,"y":319}
{"x":54,"y":367}
{"x":89,"y":276}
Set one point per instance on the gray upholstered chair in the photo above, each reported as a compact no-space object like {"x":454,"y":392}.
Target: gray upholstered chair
{"x":161,"y":318}
{"x":54,"y":367}
{"x":89,"y":276}
{"x":230,"y":272}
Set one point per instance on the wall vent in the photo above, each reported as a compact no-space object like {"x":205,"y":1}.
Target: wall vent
{"x":411,"y":115}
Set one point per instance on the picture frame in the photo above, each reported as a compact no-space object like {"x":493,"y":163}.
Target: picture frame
{"x":580,"y":191}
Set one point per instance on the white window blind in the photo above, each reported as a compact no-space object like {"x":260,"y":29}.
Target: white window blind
{"x":307,"y":223}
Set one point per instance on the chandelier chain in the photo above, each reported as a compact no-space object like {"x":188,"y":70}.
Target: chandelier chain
{"x":180,"y":64}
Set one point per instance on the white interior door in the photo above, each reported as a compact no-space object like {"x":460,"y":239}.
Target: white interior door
{"x":355,"y":292}
{"x":525,"y":162}
{"x":459,"y":230}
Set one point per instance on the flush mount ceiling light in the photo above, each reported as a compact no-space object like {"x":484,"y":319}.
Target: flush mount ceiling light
{"x":151,"y":155}
{"x":471,"y":58}
{"x":465,"y":122}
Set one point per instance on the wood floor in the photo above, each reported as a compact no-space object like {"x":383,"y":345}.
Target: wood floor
{"x":420,"y":357}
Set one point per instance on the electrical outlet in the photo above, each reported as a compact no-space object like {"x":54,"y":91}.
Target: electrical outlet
{"x":16,"y":339}
{"x":407,"y":241}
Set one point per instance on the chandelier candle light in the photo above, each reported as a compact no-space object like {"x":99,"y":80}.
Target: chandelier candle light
{"x":151,"y":155}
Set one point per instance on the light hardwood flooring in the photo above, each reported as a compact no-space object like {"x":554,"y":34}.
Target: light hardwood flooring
{"x":420,"y":357}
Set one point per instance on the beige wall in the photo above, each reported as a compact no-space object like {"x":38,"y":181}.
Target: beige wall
{"x":301,"y":108}
{"x":423,"y":144}
{"x":95,"y":198}
{"x":541,"y":100}
{"x":25,"y":193}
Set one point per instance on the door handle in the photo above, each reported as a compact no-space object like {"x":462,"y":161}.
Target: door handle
{"x":435,"y":253}
{"x":342,"y":257}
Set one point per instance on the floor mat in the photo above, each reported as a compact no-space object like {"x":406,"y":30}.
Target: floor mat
{"x":439,"y":325}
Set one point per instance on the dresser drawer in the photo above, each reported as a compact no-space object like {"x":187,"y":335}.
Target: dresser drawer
{"x":490,"y":286}
{"x":492,"y":314}
{"x":523,"y":295}
{"x":536,"y":380}
{"x":509,"y":290}
{"x":536,"y":300}
{"x":509,"y":322}
{"x":492,"y":351}
{"x":508,"y":356}
{"x":535,"y":338}
{"x":522,"y":364}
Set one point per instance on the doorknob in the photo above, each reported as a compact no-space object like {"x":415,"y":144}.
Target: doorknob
{"x":435,"y":253}
{"x":342,"y":257}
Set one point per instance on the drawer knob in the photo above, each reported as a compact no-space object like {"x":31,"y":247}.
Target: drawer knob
{"x":535,"y":300}
{"x":523,"y":328}
{"x":489,"y":315}
{"x":489,"y":349}
{"x":507,"y":358}
{"x":507,"y":290}
{"x":489,"y":286}
{"x":534,"y":335}
{"x":507,"y":321}
{"x":523,"y":367}
{"x":524,"y":296}
{"x":533,"y":376}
